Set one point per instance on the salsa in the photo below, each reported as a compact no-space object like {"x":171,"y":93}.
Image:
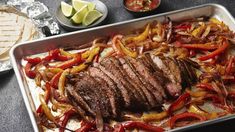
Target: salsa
{"x":141,"y":5}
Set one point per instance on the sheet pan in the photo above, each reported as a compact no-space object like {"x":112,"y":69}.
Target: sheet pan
{"x":79,"y":38}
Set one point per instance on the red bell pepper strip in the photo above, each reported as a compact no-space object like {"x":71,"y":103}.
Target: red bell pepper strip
{"x":70,"y":63}
{"x":28,"y":67}
{"x":33,"y":61}
{"x":29,"y":72}
{"x":142,"y":126}
{"x":216,"y":52}
{"x":179,"y":103}
{"x":55,"y":55}
{"x":86,"y":127}
{"x":119,"y":128}
{"x":200,"y":46}
{"x":205,"y":86}
{"x":46,"y":97}
{"x":183,"y":26}
{"x":215,"y":98}
{"x":54,"y":81}
{"x":185,"y":115}
{"x":67,"y":116}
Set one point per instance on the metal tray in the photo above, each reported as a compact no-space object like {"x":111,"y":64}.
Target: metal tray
{"x":82,"y":37}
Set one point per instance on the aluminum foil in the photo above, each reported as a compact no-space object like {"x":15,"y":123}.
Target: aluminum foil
{"x":39,"y":13}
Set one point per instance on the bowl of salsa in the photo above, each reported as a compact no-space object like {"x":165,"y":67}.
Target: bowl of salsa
{"x":141,"y":7}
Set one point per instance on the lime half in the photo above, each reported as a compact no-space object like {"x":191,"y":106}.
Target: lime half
{"x":67,"y":9}
{"x":78,"y":4}
{"x":79,"y":15}
{"x":91,"y":17}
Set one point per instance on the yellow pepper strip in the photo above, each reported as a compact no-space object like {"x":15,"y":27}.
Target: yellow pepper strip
{"x":154,"y":116}
{"x":93,"y":53}
{"x":65,"y":53}
{"x":140,"y":37}
{"x":56,"y":105}
{"x":198,"y":31}
{"x":62,"y":81}
{"x":79,"y":68}
{"x":46,"y":109}
{"x":55,"y":70}
{"x":38,"y":79}
{"x":195,"y":109}
{"x":127,"y":51}
{"x":86,"y":54}
{"x":212,"y":115}
{"x":196,"y":94}
{"x":214,"y":20}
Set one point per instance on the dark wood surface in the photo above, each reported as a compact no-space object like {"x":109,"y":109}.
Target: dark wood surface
{"x":13,"y":113}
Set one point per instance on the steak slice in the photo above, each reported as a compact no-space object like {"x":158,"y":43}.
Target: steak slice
{"x":183,"y":73}
{"x":136,"y":81}
{"x":172,"y":72}
{"x":98,"y":87}
{"x":113,"y":92}
{"x":124,"y":93}
{"x":190,"y":71}
{"x":138,"y":102}
{"x":79,"y":100}
{"x":148,"y":78}
{"x":106,"y":99}
{"x":87,"y":88}
{"x":158,"y":75}
{"x":146,"y":87}
{"x":74,"y":103}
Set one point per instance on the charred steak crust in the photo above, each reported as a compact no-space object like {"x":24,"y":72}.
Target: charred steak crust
{"x":113,"y":92}
{"x":123,"y":84}
{"x":147,"y":78}
{"x":136,"y":81}
{"x":79,"y":100}
{"x":109,"y":96}
{"x":73,"y":101}
{"x":159,"y":77}
{"x":138,"y":101}
{"x":145,"y":85}
{"x":112,"y":74}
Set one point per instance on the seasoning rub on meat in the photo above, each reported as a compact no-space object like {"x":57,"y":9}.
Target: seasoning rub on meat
{"x":123,"y":84}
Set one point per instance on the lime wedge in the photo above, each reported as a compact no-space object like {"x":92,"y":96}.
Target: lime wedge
{"x":78,"y":4}
{"x":67,"y":9}
{"x":79,"y":15}
{"x":91,"y":17}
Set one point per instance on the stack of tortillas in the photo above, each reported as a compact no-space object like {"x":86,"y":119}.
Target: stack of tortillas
{"x":15,"y":27}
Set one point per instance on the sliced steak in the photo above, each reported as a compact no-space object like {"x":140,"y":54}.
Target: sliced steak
{"x":157,"y":70}
{"x":79,"y":100}
{"x":146,"y":87}
{"x":183,"y":73}
{"x":172,"y":72}
{"x":97,"y":85}
{"x":136,"y":81}
{"x":156,"y":73}
{"x":112,"y":74}
{"x":81,"y":112}
{"x":138,"y":102}
{"x":87,"y":89}
{"x":190,"y":70}
{"x":114,"y":93}
{"x":148,"y":78}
